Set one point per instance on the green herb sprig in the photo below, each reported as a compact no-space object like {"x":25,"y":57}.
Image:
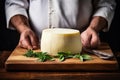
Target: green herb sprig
{"x":64,"y":55}
{"x":82,"y":57}
{"x":43,"y":56}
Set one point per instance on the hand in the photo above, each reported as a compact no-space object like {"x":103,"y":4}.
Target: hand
{"x":90,"y":38}
{"x":28,"y":39}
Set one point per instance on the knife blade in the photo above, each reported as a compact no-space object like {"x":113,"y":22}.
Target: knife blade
{"x":100,"y":54}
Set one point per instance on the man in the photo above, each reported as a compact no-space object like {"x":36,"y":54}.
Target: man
{"x":30,"y":17}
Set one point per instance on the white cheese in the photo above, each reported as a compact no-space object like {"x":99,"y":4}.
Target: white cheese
{"x":60,"y":40}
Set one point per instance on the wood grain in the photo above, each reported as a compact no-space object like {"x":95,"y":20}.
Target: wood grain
{"x":17,"y":61}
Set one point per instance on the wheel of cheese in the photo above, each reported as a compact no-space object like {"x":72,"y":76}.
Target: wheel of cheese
{"x":60,"y":40}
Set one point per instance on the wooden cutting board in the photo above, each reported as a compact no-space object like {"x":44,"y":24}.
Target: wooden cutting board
{"x":16,"y":61}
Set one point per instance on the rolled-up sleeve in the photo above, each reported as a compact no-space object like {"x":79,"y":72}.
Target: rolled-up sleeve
{"x":15,"y":7}
{"x":105,"y":9}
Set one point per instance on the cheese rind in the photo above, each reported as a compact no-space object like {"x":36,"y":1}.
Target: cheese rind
{"x":60,"y":40}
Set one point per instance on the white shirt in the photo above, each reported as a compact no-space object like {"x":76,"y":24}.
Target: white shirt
{"x":60,"y":13}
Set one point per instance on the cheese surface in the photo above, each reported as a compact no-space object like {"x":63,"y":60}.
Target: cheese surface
{"x":60,"y":40}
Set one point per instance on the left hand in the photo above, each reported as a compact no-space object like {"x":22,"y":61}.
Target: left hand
{"x":90,"y":38}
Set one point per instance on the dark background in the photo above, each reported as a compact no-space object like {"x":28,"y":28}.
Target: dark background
{"x":10,"y":38}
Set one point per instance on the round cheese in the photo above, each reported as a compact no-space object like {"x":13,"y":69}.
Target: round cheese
{"x":60,"y":40}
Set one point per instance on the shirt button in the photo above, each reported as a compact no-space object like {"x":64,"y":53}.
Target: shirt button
{"x":52,"y":10}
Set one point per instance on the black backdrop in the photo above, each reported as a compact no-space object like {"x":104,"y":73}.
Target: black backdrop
{"x":113,"y":36}
{"x":10,"y":38}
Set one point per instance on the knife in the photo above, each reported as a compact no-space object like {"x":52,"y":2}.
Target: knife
{"x":100,"y":54}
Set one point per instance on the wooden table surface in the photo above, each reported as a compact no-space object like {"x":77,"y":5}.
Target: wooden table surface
{"x":55,"y":75}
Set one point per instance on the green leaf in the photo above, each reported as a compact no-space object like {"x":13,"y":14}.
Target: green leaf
{"x":64,"y":55}
{"x":86,"y":57}
{"x":61,"y":58}
{"x":43,"y":56}
{"x":76,"y":56}
{"x":81,"y":58}
{"x":29,"y":53}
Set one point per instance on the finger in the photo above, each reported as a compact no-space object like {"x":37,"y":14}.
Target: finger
{"x":95,"y":41}
{"x":26,"y":44}
{"x":34,"y":41}
{"x":19,"y":44}
{"x":85,"y":41}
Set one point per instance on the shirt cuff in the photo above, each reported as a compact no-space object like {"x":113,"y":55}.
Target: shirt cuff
{"x":10,"y":12}
{"x":107,"y":14}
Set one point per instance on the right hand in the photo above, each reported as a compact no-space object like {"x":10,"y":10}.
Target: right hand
{"x":90,"y":38}
{"x":28,"y":39}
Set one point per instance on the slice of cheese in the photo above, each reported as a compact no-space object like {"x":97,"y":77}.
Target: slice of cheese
{"x":60,"y":40}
